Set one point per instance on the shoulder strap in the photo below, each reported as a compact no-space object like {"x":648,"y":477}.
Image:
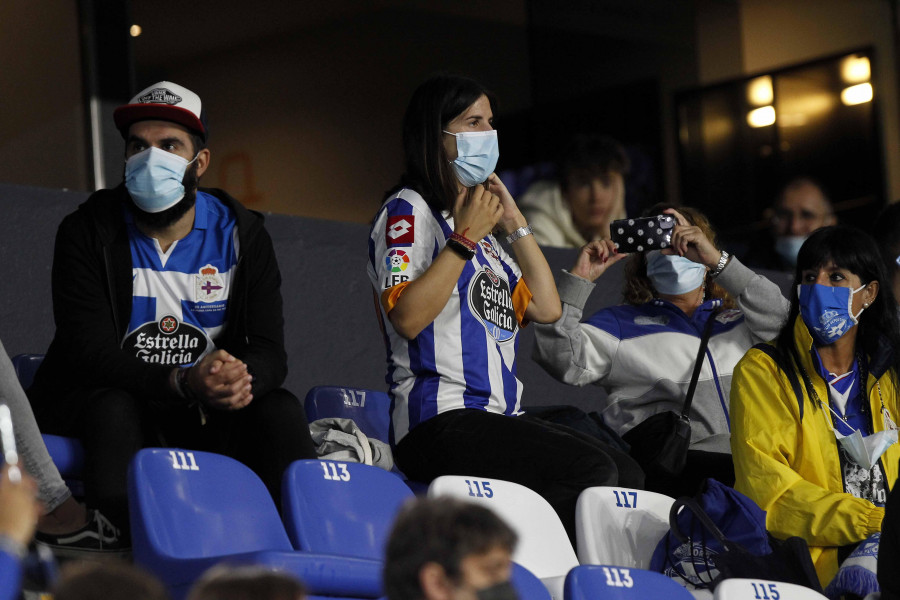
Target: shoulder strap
{"x":779,"y":359}
{"x":698,"y":364}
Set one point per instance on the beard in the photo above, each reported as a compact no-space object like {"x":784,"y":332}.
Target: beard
{"x":166,"y":218}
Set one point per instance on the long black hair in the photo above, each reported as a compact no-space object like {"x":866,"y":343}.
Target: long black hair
{"x":437,"y":101}
{"x":854,"y":250}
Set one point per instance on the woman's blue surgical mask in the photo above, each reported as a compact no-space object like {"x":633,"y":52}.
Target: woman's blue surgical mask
{"x":827,"y":311}
{"x":154,"y":178}
{"x":672,"y":274}
{"x":477,"y":153}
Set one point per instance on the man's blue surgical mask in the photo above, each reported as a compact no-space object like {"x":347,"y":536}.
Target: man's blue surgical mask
{"x":672,"y":274}
{"x":154,"y":178}
{"x":827,"y":311}
{"x":477,"y":153}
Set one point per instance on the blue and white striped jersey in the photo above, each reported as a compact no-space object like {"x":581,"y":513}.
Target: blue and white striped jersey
{"x":466,"y":358}
{"x":180,"y":297}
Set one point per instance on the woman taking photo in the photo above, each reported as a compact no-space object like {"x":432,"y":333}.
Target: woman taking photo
{"x":813,"y":418}
{"x":643,"y":352}
{"x":452,"y":302}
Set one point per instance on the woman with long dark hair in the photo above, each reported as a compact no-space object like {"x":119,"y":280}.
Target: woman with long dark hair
{"x":814,"y":434}
{"x":452,"y":302}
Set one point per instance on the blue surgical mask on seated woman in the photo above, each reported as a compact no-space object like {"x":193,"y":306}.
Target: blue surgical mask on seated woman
{"x":827,"y":311}
{"x":477,"y":153}
{"x":154,"y":178}
{"x":671,"y":274}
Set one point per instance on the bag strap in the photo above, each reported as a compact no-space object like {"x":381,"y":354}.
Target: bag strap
{"x":779,"y":359}
{"x":691,"y":504}
{"x":698,"y":364}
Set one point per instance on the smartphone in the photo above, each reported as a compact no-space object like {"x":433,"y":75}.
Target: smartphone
{"x":8,"y":444}
{"x":643,"y":233}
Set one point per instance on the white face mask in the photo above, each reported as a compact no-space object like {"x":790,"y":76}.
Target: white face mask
{"x":865,"y":451}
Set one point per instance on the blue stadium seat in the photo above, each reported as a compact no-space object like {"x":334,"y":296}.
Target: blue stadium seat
{"x":67,"y":453}
{"x":528,"y":586}
{"x":587,"y":582}
{"x":341,"y":508}
{"x":191,"y":510}
{"x":369,"y":409}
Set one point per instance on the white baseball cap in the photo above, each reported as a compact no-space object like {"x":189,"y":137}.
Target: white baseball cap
{"x":165,"y":101}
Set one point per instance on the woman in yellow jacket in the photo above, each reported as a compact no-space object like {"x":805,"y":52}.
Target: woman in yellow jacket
{"x":811,"y":445}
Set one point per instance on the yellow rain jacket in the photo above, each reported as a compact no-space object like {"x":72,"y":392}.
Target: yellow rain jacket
{"x":790,"y":467}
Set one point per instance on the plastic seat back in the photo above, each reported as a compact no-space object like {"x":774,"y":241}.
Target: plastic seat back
{"x":528,"y":586}
{"x":589,"y":582}
{"x":369,"y":409}
{"x":763,"y":589}
{"x":620,"y":526}
{"x":190,"y":504}
{"x":544,"y":548}
{"x":341,"y":508}
{"x":26,"y":365}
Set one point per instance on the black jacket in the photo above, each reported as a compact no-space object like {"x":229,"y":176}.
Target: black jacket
{"x":92,"y":299}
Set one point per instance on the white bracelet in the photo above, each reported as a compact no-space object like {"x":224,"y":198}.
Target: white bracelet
{"x":519,"y":233}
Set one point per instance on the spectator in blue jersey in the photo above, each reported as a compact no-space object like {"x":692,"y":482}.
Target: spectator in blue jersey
{"x":168,"y":310}
{"x":643,"y":352}
{"x":452,"y":302}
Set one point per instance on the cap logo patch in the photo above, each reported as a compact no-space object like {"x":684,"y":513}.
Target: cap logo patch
{"x":160,"y":96}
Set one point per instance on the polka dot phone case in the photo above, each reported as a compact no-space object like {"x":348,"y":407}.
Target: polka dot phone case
{"x":642,"y":234}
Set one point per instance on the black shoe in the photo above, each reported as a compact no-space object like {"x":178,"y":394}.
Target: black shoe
{"x":98,"y":537}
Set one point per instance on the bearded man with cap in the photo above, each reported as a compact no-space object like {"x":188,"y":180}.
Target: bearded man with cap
{"x":168,"y":310}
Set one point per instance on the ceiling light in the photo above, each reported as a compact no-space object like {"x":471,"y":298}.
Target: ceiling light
{"x":857,"y":94}
{"x":761,"y":117}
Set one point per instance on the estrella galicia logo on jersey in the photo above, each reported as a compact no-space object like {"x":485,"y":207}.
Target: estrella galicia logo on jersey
{"x":208,"y":285}
{"x":491,"y":299}
{"x":396,"y":261}
{"x":166,"y":342}
{"x":160,"y":96}
{"x":400,"y":230}
{"x":168,"y":324}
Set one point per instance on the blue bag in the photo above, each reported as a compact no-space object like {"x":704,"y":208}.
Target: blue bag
{"x":722,"y":534}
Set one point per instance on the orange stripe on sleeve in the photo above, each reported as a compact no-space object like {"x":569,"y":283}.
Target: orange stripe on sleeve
{"x":390,"y":296}
{"x":521,"y":298}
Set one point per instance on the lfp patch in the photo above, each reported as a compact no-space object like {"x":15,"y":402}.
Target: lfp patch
{"x":396,"y":260}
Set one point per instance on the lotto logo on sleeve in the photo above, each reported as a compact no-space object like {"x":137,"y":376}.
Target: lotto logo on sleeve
{"x":396,"y":261}
{"x":399,"y":230}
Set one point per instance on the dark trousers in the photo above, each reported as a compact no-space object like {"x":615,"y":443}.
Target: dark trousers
{"x":554,"y":461}
{"x":267,"y":435}
{"x":699,"y":467}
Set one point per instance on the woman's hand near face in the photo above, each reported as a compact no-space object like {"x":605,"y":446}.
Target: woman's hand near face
{"x":690,"y":242}
{"x":595,"y":258}
{"x":476,"y":212}
{"x":512,"y":218}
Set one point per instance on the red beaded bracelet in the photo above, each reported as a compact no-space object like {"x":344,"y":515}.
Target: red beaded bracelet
{"x":463,"y":240}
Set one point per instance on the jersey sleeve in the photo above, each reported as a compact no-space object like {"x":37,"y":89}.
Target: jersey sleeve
{"x":404,"y":241}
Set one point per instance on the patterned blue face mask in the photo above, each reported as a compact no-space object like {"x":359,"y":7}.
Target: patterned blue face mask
{"x":154,"y":177}
{"x":477,"y":153}
{"x":827,"y":311}
{"x":672,"y":274}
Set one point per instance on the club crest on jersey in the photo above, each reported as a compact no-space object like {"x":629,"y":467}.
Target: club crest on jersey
{"x":166,"y":342}
{"x":400,"y":230}
{"x":491,"y":300}
{"x":209,"y":286}
{"x":488,"y":250}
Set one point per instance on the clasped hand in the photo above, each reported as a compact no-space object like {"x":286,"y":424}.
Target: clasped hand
{"x":221,"y":381}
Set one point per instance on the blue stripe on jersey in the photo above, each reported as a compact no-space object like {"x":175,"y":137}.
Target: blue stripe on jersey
{"x":423,"y":395}
{"x":474,"y":348}
{"x":509,"y":382}
{"x":141,"y":306}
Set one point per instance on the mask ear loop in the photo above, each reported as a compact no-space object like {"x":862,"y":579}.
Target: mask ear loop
{"x":850,"y":304}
